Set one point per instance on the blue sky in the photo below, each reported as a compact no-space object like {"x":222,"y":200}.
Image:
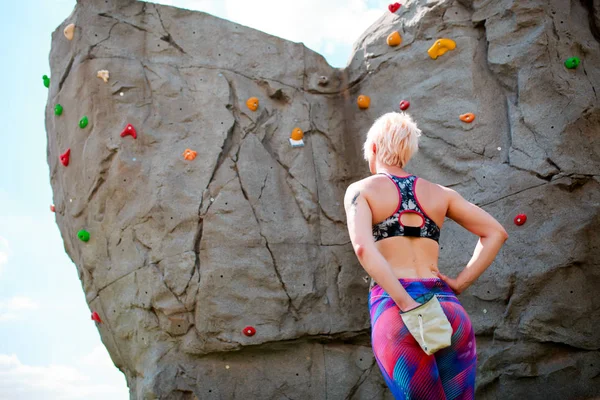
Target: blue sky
{"x":49,"y":347}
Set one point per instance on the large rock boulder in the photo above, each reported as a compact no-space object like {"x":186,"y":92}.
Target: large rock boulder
{"x":184,"y":254}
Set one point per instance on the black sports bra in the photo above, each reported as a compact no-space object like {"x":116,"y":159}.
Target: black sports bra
{"x":407,"y":202}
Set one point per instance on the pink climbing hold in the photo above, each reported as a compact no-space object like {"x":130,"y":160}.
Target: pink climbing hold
{"x":96,"y":317}
{"x":520,"y":219}
{"x":129,"y":130}
{"x":404,"y":105}
{"x":249,"y":331}
{"x":64,"y":157}
{"x":394,"y":7}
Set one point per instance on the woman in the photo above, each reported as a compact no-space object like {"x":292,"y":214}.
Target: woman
{"x":394,"y":220}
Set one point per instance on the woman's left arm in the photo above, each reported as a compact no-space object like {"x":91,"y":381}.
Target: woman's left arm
{"x":359,"y":219}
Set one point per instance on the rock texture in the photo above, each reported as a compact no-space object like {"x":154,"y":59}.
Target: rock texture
{"x":186,"y":253}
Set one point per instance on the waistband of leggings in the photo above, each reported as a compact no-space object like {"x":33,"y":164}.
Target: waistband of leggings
{"x":418,"y":286}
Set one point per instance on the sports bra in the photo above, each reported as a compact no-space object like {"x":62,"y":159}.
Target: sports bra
{"x":407,"y":202}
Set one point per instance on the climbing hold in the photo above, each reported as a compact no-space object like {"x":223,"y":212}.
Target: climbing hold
{"x":96,"y":317}
{"x":103,"y":73}
{"x":83,"y":235}
{"x":440,"y":47}
{"x":394,"y":7}
{"x":58,"y":109}
{"x":83,"y":122}
{"x":323,"y":80}
{"x":189,"y":154}
{"x":52,"y":208}
{"x":64,"y":157}
{"x":129,"y":130}
{"x":249,"y":331}
{"x":394,"y":39}
{"x":227,"y":367}
{"x":46,"y":80}
{"x":404,"y":105}
{"x":572,"y":62}
{"x":363,"y":101}
{"x":252,"y":103}
{"x":296,"y":138}
{"x":468,"y":117}
{"x":69,"y":30}
{"x":520,"y":219}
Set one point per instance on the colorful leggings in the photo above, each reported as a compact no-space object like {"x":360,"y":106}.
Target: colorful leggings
{"x":408,"y":371}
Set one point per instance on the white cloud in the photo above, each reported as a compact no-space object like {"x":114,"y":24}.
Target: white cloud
{"x":313,"y":22}
{"x":13,"y":308}
{"x":324,"y":26}
{"x":21,"y":381}
{"x":4,"y":252}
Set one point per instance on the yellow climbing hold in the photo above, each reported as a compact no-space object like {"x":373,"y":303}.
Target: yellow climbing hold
{"x":394,"y":39}
{"x":69,"y":30}
{"x":103,"y":74}
{"x":440,"y":47}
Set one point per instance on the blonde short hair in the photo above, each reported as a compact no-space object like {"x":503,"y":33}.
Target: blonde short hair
{"x":396,"y":136}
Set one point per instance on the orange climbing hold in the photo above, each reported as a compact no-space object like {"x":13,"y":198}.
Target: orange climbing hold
{"x":468,"y":117}
{"x":363,"y":101}
{"x":296,"y":138}
{"x":252,"y":103}
{"x":394,"y":39}
{"x":189,"y":154}
{"x":440,"y":47}
{"x":96,"y":317}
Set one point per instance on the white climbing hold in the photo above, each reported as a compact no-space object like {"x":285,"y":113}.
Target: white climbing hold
{"x":212,"y":199}
{"x":69,"y":31}
{"x":70,"y":200}
{"x":121,"y":93}
{"x":103,"y":74}
{"x":227,"y":366}
{"x":484,"y":311}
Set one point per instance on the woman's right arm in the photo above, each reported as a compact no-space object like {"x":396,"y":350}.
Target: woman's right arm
{"x":492,"y":236}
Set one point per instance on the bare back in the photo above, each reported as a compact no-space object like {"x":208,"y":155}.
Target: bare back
{"x":409,"y":257}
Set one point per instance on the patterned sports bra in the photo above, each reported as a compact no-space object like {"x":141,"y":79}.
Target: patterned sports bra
{"x":407,"y":202}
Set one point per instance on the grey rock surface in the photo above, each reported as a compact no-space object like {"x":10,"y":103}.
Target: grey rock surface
{"x":186,"y":253}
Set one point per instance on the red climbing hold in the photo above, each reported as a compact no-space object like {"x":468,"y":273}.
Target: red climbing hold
{"x":249,"y":331}
{"x":129,"y":130}
{"x":394,"y":7}
{"x":64,"y":157}
{"x":52,"y":208}
{"x":96,"y":317}
{"x":520,"y":219}
{"x":404,"y":105}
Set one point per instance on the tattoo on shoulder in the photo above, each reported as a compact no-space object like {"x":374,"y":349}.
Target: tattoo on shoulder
{"x":353,"y":204}
{"x":355,"y":198}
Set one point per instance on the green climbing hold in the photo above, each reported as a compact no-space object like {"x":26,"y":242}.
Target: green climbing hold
{"x":83,"y":235}
{"x":46,"y":81}
{"x":58,"y":109}
{"x":572,"y":62}
{"x":83,"y":122}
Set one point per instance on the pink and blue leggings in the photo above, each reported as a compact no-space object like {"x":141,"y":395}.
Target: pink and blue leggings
{"x":409,"y":372}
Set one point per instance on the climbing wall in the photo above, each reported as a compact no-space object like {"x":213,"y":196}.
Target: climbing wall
{"x":198,"y":170}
